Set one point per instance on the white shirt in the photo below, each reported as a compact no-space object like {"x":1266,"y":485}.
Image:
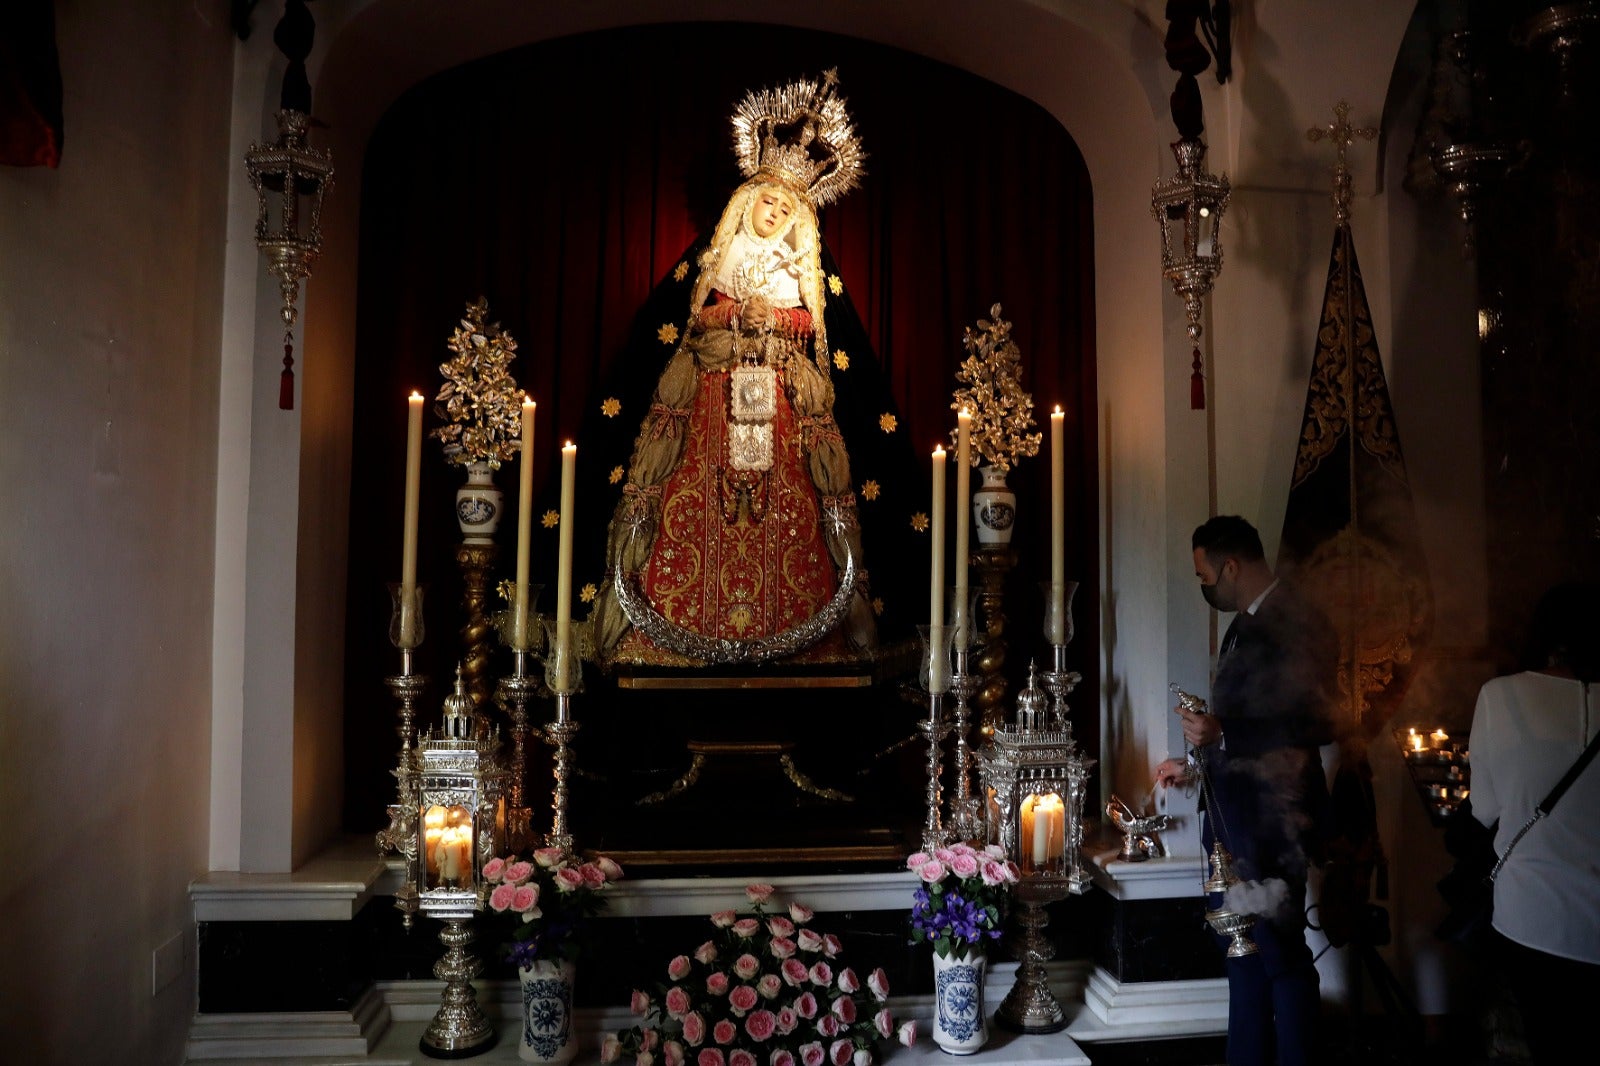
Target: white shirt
{"x":1527,"y":731}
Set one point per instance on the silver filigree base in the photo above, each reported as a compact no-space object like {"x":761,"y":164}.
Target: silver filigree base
{"x":459,"y":1029}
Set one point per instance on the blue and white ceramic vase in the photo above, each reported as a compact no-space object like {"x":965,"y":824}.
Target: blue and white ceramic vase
{"x":959,"y":1026}
{"x":547,"y":1013}
{"x":479,"y":505}
{"x":994,"y":508}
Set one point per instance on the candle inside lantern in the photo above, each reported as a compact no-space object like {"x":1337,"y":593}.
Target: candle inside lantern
{"x":963,"y":524}
{"x":408,"y":553}
{"x":569,"y":462}
{"x":432,"y":831}
{"x":1043,"y":832}
{"x":1058,"y":569}
{"x":519,"y":616}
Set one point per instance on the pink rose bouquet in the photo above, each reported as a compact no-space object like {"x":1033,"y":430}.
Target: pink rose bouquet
{"x":962,"y":899}
{"x":547,"y":901}
{"x":765,"y":990}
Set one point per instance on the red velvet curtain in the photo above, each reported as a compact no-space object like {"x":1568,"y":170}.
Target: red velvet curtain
{"x":565,"y":179}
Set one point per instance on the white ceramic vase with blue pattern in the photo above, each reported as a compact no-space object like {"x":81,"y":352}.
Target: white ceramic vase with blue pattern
{"x":479,"y":505}
{"x":959,"y":1024}
{"x":547,"y":1013}
{"x":994,"y":508}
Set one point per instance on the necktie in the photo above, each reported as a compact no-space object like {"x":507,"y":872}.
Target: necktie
{"x":1230,"y":637}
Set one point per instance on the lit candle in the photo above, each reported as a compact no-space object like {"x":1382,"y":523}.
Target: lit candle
{"x":1039,"y":837}
{"x":1058,"y":569}
{"x":519,"y":617}
{"x":1055,"y":817}
{"x":936,"y":679}
{"x":1438,"y":737}
{"x":1414,"y":740}
{"x":408,"y":553}
{"x":963,"y":520}
{"x":569,"y":463}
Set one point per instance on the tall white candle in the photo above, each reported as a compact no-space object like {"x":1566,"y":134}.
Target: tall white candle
{"x":519,"y":617}
{"x":936,"y":668}
{"x":408,"y":552}
{"x":963,"y":516}
{"x":569,"y":463}
{"x":1058,"y":542}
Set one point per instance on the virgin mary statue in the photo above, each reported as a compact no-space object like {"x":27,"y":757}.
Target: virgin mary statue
{"x":737,"y":538}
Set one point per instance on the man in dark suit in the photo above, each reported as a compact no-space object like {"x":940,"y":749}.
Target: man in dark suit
{"x":1266,"y":798}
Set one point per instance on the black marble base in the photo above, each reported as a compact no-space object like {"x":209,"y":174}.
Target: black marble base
{"x":1154,"y":939}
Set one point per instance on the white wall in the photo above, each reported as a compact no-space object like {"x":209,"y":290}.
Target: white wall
{"x":110,"y":272}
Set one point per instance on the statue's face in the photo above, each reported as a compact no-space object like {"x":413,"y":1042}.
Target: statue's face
{"x":772,"y":210}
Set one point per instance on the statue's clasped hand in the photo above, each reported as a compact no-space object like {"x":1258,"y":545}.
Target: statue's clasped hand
{"x":756,"y":314}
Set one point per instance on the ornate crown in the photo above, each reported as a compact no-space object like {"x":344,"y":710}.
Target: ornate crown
{"x":801,"y":137}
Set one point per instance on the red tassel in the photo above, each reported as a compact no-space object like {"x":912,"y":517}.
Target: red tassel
{"x":286,"y":379}
{"x":1197,"y":385}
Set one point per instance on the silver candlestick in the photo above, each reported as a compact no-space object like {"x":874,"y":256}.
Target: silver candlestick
{"x":935,"y":729}
{"x":966,"y":810}
{"x":513,"y":694}
{"x":561,"y":732}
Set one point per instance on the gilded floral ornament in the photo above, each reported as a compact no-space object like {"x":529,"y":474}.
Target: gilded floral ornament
{"x":877,"y":605}
{"x":870,"y":489}
{"x":841,"y":360}
{"x":919,"y":522}
{"x":551,"y":519}
{"x":888,"y":422}
{"x":680,"y":271}
{"x":611,"y":407}
{"x":991,"y":379}
{"x":667,"y":334}
{"x":615,"y":475}
{"x":479,"y":402}
{"x":835,"y":285}
{"x":588,"y":593}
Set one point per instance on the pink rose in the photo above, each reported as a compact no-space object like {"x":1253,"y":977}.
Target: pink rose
{"x":884,"y":1022}
{"x":848,"y":982}
{"x":863,"y":1057}
{"x":845,"y":1008}
{"x":1013,"y":874}
{"x":780,"y":926}
{"x":781,"y":947}
{"x":644,"y":1058}
{"x":549,"y":858}
{"x":828,"y":1026}
{"x":568,"y":880}
{"x":493,"y":869}
{"x":806,"y":1006}
{"x":787,"y":1020}
{"x":710,"y":1056}
{"x":821,"y":974}
{"x":640,"y":1003}
{"x":769,"y":986}
{"x":812,"y":1054}
{"x":706,"y":953}
{"x":760,"y":1025}
{"x":878,"y":982}
{"x":526,"y":901}
{"x":672,"y":1052}
{"x":781,"y":1058}
{"x":907,"y":1033}
{"x":809,"y":941}
{"x":678,"y":968}
{"x":961,"y":847}
{"x":841,"y":1053}
{"x":994,"y":872}
{"x":758,"y":893}
{"x":742,"y":999}
{"x":830,"y":945}
{"x":741,"y":1057}
{"x":794,"y":972}
{"x":724,"y":1032}
{"x":745,"y":928}
{"x":723,"y":919}
{"x":502,"y":896}
{"x":613,"y":872}
{"x":678,"y":1002}
{"x":918,"y":860}
{"x":651,"y":1039}
{"x":610,"y":1049}
{"x":931,"y":871}
{"x":964,"y":864}
{"x":746,"y":966}
{"x":694,"y":1028}
{"x":592,"y":875}
{"x":717,"y":983}
{"x":518,"y":872}
{"x":801,"y":913}
{"x":943,"y":855}
{"x":994,"y":851}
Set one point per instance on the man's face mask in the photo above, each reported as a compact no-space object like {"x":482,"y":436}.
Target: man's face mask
{"x":1223,"y":595}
